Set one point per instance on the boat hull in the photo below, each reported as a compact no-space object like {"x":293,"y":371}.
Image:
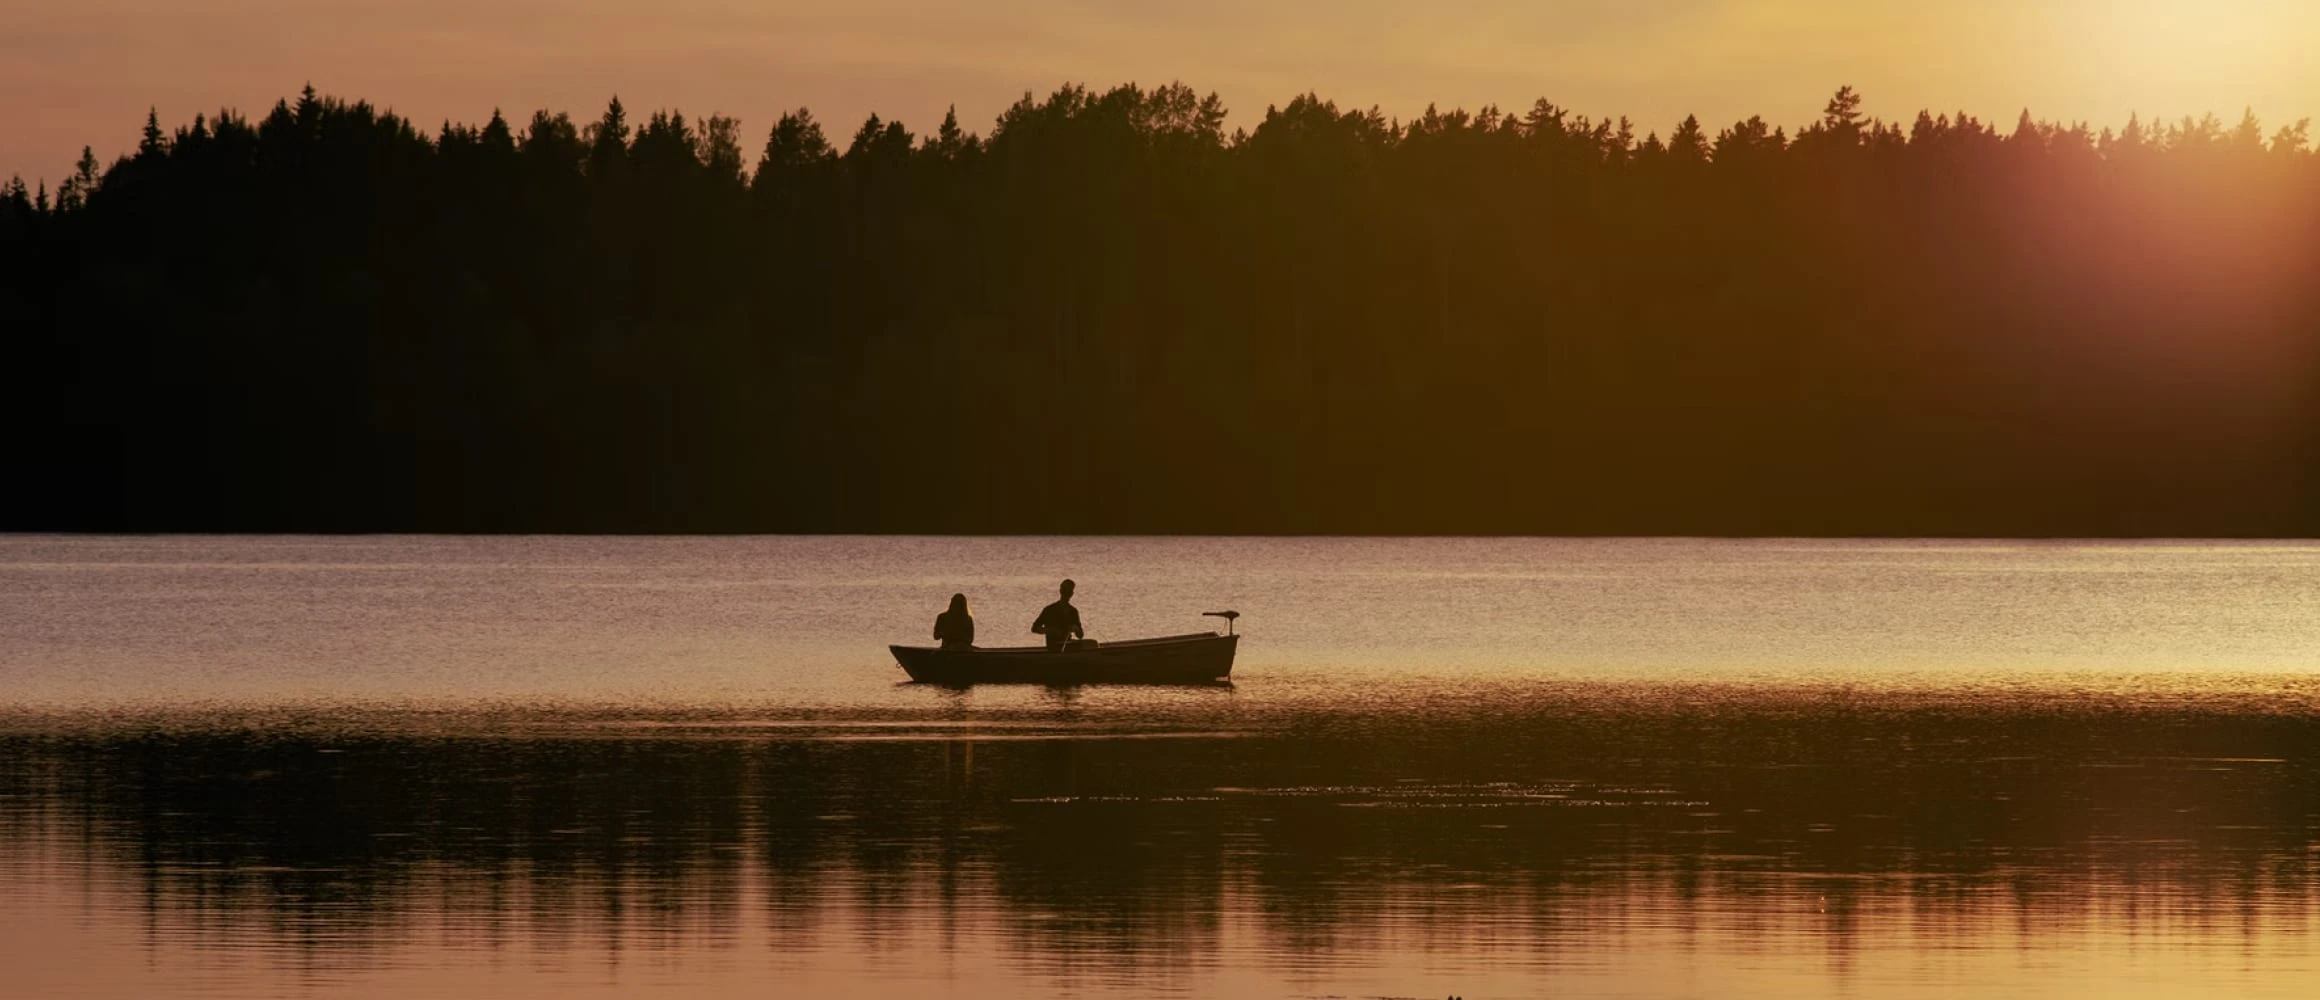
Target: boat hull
{"x":1205,"y":658}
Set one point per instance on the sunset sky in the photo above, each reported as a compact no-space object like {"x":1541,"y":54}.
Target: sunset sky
{"x":84,"y":72}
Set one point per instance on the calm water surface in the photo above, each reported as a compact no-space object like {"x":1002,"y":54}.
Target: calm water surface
{"x":260,"y":767}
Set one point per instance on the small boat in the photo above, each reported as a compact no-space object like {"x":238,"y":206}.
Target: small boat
{"x":1196,"y":658}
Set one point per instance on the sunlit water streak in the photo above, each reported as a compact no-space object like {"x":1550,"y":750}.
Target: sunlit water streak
{"x":573,"y":767}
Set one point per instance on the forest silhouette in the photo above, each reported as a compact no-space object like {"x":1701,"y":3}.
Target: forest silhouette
{"x":1113,"y":313}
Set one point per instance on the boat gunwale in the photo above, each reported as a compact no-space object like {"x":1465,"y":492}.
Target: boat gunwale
{"x":1123,"y":645}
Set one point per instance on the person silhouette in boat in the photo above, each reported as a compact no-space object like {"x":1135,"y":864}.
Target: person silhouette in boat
{"x":1059,"y":621}
{"x":955,"y":628}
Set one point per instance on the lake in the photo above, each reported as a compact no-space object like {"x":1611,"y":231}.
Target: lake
{"x":572,"y":767}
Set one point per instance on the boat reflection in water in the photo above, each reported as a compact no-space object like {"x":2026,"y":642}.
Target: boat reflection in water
{"x":1530,"y":839}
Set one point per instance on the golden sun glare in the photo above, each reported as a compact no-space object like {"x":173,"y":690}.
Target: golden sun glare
{"x":2191,"y":47}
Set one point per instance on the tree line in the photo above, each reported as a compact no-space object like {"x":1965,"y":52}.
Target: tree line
{"x":1113,"y":313}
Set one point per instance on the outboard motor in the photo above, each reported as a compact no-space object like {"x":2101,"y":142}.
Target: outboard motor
{"x":1228,"y":616}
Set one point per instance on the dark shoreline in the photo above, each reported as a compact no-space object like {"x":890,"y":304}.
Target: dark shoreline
{"x":1109,"y":313}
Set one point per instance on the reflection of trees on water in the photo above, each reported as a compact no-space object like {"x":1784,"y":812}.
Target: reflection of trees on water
{"x":1532,"y":828}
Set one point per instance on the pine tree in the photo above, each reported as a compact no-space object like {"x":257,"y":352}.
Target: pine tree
{"x":795,"y":141}
{"x":2290,"y":140}
{"x":949,"y":140}
{"x":74,"y":193}
{"x":608,"y":141}
{"x":1688,"y":143}
{"x":2248,"y":136}
{"x":717,"y":144}
{"x":2027,"y":131}
{"x":865,"y":138}
{"x":154,"y":144}
{"x":496,"y":134}
{"x":1842,"y":116}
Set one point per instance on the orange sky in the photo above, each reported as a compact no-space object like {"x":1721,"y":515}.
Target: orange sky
{"x":84,"y":71}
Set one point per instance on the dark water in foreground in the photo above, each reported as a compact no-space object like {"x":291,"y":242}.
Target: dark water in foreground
{"x":580,"y":767}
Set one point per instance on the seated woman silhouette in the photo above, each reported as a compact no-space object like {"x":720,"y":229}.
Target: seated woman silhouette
{"x":955,"y":628}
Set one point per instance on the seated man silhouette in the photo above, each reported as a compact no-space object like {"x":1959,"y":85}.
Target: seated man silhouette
{"x":1059,"y":621}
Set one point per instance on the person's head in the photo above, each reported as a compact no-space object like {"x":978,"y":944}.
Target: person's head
{"x":1066,"y":589}
{"x":958,"y":604}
